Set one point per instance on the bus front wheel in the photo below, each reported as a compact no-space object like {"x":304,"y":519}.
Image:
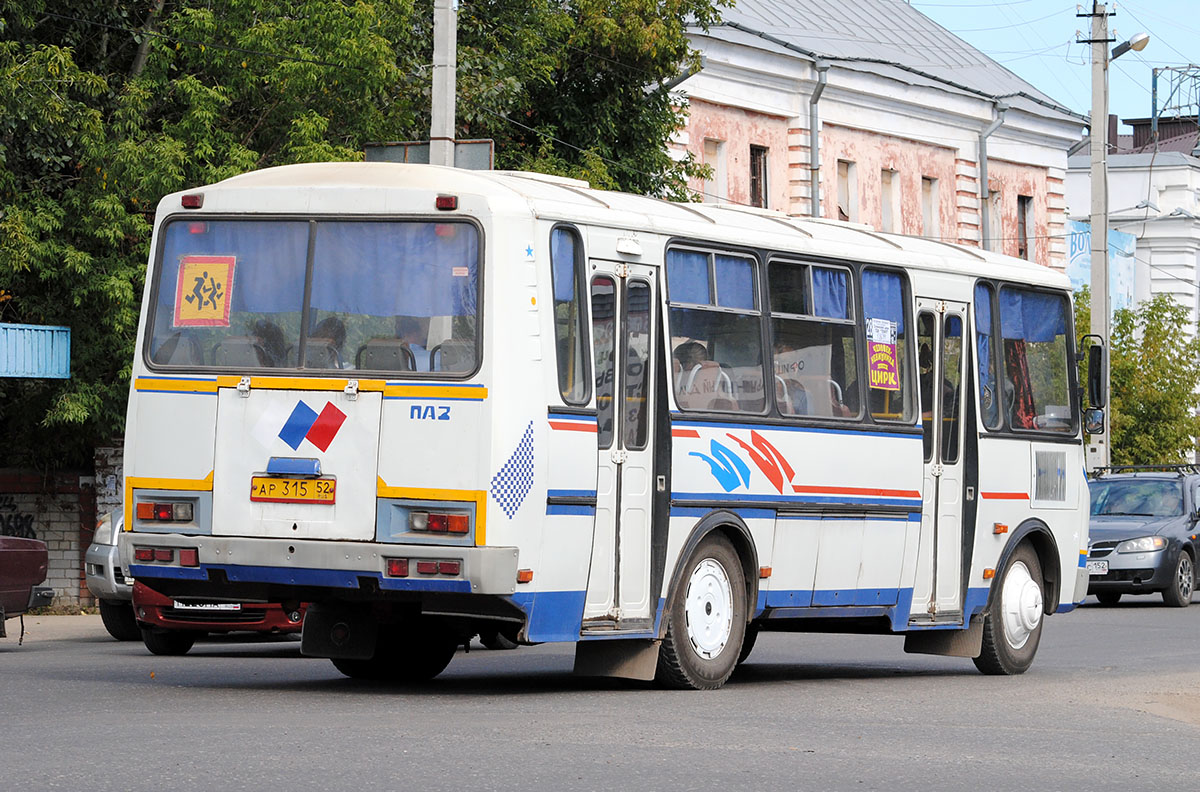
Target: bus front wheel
{"x":1012,"y":624}
{"x":707,"y":620}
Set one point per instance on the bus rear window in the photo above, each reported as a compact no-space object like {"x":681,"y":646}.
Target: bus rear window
{"x":381,"y":296}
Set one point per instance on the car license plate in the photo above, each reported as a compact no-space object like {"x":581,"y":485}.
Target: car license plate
{"x":1097,"y":567}
{"x":208,"y":606}
{"x":277,"y":489}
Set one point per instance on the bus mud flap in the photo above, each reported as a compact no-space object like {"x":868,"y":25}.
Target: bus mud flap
{"x":627,"y":659}
{"x":954,"y":643}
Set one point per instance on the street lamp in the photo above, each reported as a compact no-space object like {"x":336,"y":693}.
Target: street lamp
{"x":1099,"y":452}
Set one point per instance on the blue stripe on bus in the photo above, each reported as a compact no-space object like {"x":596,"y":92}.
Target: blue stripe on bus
{"x":849,"y":430}
{"x":325,"y":578}
{"x":570,"y":508}
{"x":793,"y":499}
{"x":570,"y":493}
{"x":179,"y":392}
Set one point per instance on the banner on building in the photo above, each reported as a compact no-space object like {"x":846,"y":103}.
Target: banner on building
{"x":1122,"y":248}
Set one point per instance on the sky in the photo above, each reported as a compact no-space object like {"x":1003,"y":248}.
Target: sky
{"x":1036,"y":40}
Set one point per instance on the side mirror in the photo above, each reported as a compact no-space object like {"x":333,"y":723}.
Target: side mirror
{"x":1095,"y":376}
{"x":1093,"y":420}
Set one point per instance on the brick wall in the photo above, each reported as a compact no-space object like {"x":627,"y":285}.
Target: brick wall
{"x":61,"y":511}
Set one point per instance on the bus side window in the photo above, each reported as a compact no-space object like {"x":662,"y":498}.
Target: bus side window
{"x":886,"y":315}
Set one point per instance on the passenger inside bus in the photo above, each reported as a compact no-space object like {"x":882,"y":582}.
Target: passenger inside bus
{"x":700,"y":383}
{"x":324,"y":347}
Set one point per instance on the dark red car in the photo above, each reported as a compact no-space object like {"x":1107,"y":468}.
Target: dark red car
{"x":170,"y":627}
{"x":23,"y":564}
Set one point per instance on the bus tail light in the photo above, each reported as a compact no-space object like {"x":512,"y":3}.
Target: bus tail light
{"x":164,"y":554}
{"x":450,"y":567}
{"x":397,"y":567}
{"x":189,"y":557}
{"x":446,"y":203}
{"x":192,"y":201}
{"x":427,"y":567}
{"x":439,"y":522}
{"x":143,"y":554}
{"x":164,"y":512}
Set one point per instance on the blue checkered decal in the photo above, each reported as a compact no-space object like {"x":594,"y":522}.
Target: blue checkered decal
{"x":514,"y":480}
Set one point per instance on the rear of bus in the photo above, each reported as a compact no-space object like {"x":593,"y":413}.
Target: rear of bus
{"x":307,"y":419}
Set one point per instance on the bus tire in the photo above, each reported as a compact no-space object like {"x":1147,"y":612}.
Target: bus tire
{"x":1012,"y":623}
{"x":119,"y":620}
{"x":707,"y":620}
{"x":748,"y":641}
{"x":168,"y":642}
{"x":408,"y":655}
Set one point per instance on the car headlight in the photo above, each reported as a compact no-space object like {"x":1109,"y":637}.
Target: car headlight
{"x":1143,"y":544}
{"x":104,"y":531}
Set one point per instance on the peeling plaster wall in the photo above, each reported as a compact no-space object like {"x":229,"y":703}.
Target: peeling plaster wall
{"x":1010,"y":180}
{"x":740,"y":129}
{"x":873,"y":153}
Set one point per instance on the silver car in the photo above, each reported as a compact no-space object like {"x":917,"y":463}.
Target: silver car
{"x":107,"y":582}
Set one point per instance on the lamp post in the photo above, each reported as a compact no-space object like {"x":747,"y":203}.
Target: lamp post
{"x":1099,"y":450}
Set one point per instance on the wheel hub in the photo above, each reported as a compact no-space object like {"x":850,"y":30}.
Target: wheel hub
{"x":708,"y":608}
{"x":1020,"y":605}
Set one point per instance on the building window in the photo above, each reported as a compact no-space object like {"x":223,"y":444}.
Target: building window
{"x":758,"y":176}
{"x":714,"y":157}
{"x":889,"y":201}
{"x":1024,"y":216}
{"x":929,"y":207}
{"x":847,"y":191}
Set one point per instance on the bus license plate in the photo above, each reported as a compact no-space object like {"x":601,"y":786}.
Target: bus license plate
{"x":1097,"y":567}
{"x":275,"y":489}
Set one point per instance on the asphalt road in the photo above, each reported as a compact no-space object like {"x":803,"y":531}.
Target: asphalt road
{"x":1112,"y":702}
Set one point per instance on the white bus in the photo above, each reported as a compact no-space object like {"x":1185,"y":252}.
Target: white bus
{"x":435,"y":403}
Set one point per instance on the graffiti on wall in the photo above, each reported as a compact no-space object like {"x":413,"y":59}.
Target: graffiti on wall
{"x":13,"y":521}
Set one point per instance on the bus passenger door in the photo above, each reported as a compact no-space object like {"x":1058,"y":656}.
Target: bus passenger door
{"x":937,"y":592}
{"x":623,"y":316}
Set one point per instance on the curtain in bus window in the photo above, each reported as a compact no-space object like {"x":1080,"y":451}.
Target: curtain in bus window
{"x":735,"y":282}
{"x":989,"y":403}
{"x":390,"y":269}
{"x":269,"y":260}
{"x":604,"y":330}
{"x":884,"y":322}
{"x":1033,"y":333}
{"x":830,"y":297}
{"x":240,"y":302}
{"x":687,"y":277}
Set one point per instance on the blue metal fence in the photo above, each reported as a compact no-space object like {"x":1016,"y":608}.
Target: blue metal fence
{"x":39,"y":351}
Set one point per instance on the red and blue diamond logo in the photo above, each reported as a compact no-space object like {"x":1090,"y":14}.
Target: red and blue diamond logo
{"x":305,"y":424}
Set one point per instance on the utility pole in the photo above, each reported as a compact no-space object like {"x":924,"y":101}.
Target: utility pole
{"x":1099,"y":451}
{"x":445,"y":59}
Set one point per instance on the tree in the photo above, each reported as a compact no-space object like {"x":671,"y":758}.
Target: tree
{"x":1155,"y":370}
{"x":108,"y":106}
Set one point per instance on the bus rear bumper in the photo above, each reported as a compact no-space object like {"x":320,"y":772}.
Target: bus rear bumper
{"x":230,"y":567}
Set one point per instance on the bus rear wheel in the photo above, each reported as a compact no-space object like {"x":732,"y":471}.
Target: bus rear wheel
{"x":707,"y":620}
{"x":1012,"y":624}
{"x":407,"y":655}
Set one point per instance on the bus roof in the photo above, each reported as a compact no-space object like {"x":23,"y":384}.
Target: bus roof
{"x":571,"y":200}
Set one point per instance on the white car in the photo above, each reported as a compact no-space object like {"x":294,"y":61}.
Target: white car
{"x":107,"y":582}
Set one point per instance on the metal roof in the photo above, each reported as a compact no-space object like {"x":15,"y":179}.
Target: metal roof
{"x":885,"y":32}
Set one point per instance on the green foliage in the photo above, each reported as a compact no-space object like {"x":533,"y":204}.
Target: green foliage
{"x":1155,"y":370}
{"x":109,"y":106}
